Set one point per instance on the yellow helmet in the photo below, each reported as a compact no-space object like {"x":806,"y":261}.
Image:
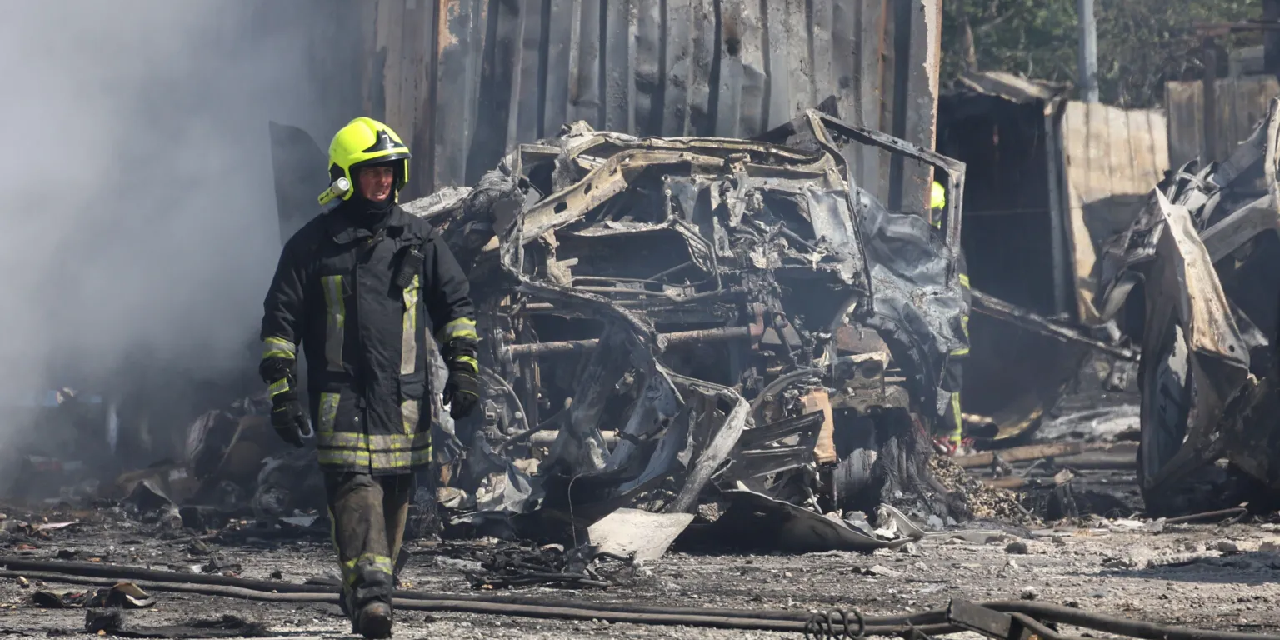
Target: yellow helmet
{"x":938,"y":199}
{"x":363,"y":142}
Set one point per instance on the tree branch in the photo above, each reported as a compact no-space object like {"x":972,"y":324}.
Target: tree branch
{"x":987,"y":26}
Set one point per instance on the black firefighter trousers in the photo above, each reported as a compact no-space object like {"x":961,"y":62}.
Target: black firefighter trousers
{"x":368,"y":515}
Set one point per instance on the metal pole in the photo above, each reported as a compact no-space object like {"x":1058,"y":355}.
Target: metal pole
{"x":1209,"y":93}
{"x":1088,"y":71}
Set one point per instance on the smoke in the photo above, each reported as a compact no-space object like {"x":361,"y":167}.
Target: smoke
{"x":138,"y":221}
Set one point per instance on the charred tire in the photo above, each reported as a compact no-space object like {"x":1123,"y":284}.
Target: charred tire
{"x":884,"y":459}
{"x":1165,"y":380}
{"x":1165,"y":403}
{"x":857,"y":445}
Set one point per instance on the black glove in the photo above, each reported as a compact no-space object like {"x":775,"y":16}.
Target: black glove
{"x":461,"y":391}
{"x":288,"y":418}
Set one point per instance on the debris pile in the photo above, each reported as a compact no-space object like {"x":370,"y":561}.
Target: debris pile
{"x":124,"y":595}
{"x":503,"y":565}
{"x":985,"y":502}
{"x":665,"y":321}
{"x":113,"y":622}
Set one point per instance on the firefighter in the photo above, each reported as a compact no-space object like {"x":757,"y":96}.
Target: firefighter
{"x":356,"y":290}
{"x":952,"y":428}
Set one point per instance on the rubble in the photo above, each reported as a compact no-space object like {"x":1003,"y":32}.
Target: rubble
{"x":985,"y":502}
{"x":113,"y":622}
{"x":124,"y":595}
{"x":1022,"y":454}
{"x":505,"y":565}
{"x":754,"y":522}
{"x":638,"y":534}
{"x":678,"y":331}
{"x":1017,"y":547}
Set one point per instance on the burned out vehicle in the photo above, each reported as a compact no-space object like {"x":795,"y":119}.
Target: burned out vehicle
{"x":668,"y":320}
{"x":1205,"y":257}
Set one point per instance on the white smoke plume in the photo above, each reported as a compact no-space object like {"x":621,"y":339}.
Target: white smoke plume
{"x":138,"y":221}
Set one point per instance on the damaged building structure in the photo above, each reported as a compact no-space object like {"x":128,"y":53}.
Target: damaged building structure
{"x":769,"y":271}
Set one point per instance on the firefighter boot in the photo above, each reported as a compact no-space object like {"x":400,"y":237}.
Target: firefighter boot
{"x":373,"y":621}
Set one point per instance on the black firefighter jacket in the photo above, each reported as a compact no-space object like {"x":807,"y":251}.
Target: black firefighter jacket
{"x":335,"y":294}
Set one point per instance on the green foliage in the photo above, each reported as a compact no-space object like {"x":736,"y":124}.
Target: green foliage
{"x":1141,"y":43}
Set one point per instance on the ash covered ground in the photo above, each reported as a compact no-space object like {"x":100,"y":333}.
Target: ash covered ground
{"x":1220,"y":577}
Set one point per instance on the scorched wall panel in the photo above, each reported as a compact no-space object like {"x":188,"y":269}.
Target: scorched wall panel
{"x":467,"y":80}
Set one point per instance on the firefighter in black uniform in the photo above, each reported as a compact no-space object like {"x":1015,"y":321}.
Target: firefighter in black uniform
{"x":356,"y":289}
{"x":951,"y":429}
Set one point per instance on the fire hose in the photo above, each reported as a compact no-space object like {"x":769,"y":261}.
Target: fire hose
{"x":851,"y":624}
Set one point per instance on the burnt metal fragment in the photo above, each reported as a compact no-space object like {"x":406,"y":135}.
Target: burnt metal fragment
{"x":1206,"y":252}
{"x":510,"y":565}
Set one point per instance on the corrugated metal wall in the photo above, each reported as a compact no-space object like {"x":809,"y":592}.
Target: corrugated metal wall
{"x":1240,"y":103}
{"x":1112,"y":159}
{"x":467,"y":80}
